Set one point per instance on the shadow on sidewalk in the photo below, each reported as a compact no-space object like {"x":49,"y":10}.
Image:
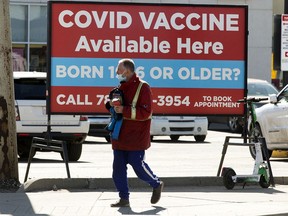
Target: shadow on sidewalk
{"x":129,"y":211}
{"x":16,"y":204}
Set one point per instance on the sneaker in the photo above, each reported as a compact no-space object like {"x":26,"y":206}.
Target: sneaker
{"x":121,"y":203}
{"x":156,"y":195}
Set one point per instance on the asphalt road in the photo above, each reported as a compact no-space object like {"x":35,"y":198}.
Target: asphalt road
{"x":183,"y":158}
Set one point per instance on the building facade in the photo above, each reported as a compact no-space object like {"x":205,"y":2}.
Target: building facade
{"x":29,"y":33}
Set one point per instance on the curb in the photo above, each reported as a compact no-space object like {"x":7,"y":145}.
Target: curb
{"x":107,"y":183}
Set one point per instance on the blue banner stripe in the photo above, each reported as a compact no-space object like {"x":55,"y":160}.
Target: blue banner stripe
{"x":157,"y":72}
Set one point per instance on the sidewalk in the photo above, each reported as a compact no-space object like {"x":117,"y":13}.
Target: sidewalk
{"x":209,"y":200}
{"x":191,"y":185}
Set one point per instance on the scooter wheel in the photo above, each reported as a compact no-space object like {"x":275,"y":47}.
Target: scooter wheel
{"x":227,"y":178}
{"x":263,"y":182}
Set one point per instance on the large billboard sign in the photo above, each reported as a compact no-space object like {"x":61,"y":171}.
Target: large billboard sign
{"x":193,"y":56}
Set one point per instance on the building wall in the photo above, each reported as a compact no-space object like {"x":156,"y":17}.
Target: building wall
{"x":278,"y":7}
{"x":259,"y":25}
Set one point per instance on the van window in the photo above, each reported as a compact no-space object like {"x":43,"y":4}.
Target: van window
{"x":30,"y":89}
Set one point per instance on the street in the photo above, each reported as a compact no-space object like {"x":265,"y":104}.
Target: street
{"x":183,"y":158}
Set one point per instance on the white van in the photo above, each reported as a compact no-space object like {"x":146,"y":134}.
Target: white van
{"x":176,"y":126}
{"x":173,"y":126}
{"x":31,"y":117}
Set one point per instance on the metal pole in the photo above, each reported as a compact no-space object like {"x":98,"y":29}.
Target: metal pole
{"x":285,"y":6}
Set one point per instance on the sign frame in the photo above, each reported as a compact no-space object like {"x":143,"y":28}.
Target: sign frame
{"x":284,"y":42}
{"x":214,"y":97}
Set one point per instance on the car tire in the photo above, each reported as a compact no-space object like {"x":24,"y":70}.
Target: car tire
{"x":257,"y":131}
{"x":200,"y":138}
{"x":253,"y":153}
{"x":233,"y":124}
{"x":23,"y":148}
{"x":74,"y":151}
{"x":174,"y":138}
{"x":108,"y":139}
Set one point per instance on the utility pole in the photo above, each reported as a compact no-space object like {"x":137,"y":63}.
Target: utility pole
{"x":8,"y":141}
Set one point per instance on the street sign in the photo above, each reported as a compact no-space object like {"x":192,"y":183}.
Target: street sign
{"x":284,"y":42}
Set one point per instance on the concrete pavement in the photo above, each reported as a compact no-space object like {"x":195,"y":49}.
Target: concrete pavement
{"x":187,"y":190}
{"x":182,"y":201}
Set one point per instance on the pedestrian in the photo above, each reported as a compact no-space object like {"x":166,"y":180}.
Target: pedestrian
{"x":131,"y":108}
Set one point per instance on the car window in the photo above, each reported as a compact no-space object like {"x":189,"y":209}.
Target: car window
{"x":259,"y":89}
{"x":283,"y":97}
{"x":30,"y":89}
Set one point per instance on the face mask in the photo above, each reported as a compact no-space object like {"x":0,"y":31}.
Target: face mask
{"x":121,"y":78}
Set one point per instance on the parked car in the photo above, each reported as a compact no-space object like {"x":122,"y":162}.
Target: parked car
{"x":173,"y":126}
{"x":272,"y":121}
{"x":176,"y":126}
{"x":31,"y":117}
{"x":256,"y":88}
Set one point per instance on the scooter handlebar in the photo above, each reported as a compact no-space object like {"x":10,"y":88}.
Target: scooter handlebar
{"x":252,"y":99}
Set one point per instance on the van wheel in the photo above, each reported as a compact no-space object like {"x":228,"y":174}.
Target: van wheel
{"x":200,"y":138}
{"x":174,"y":138}
{"x":74,"y":151}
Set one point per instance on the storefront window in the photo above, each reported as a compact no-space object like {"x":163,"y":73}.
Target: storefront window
{"x":18,"y":14}
{"x":29,"y":37}
{"x":19,"y":59}
{"x":38,"y":58}
{"x":38,"y":24}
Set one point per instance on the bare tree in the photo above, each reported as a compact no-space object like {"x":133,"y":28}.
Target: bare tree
{"x":8,"y":141}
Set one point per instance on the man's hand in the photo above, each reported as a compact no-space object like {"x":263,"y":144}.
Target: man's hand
{"x":118,"y":109}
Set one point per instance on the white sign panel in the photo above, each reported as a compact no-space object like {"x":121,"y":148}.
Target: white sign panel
{"x":284,"y":42}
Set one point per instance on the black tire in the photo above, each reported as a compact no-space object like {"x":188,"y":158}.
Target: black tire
{"x":200,"y":138}
{"x":108,"y":139}
{"x":255,"y":134}
{"x":227,"y":178}
{"x":233,"y":124}
{"x":74,"y":151}
{"x":23,"y":148}
{"x":151,"y":138}
{"x":263,"y":182}
{"x":174,"y":138}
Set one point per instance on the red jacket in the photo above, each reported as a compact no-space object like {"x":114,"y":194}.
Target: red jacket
{"x":135,"y":134}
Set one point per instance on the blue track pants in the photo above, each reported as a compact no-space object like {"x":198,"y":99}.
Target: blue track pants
{"x":142,"y":170}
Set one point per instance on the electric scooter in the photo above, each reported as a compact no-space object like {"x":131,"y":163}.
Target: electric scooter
{"x":262,"y":172}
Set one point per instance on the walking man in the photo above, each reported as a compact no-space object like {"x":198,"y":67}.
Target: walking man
{"x":131,"y":108}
